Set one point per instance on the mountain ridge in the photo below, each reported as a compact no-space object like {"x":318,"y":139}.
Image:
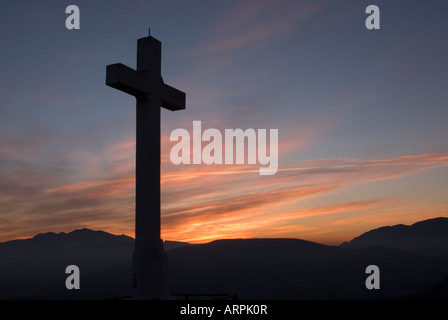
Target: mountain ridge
{"x":83,"y":236}
{"x":427,"y":237}
{"x":257,"y":268}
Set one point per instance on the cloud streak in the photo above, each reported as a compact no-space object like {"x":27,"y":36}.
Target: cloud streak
{"x":199,"y":202}
{"x":249,"y":24}
{"x":237,"y":195}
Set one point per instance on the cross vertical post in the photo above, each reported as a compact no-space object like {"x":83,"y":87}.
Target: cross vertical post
{"x":150,"y":266}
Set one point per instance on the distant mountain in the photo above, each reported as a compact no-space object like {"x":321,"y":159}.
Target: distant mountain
{"x":79,"y":237}
{"x":428,"y":237}
{"x":251,"y":268}
{"x":34,"y":263}
{"x":297,"y":269}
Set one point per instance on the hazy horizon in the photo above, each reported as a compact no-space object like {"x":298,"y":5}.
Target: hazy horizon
{"x":204,"y":242}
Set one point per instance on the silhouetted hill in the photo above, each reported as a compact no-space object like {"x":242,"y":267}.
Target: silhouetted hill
{"x":251,"y":268}
{"x":437,"y":292}
{"x":428,"y":237}
{"x":34,"y":263}
{"x":79,"y":237}
{"x":297,"y":269}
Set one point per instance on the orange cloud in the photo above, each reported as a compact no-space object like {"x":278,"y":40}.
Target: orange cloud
{"x":238,"y":195}
{"x":202,"y":203}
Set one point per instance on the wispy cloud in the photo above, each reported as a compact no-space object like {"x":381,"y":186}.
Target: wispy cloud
{"x":199,"y":202}
{"x":253,"y":22}
{"x":238,"y":194}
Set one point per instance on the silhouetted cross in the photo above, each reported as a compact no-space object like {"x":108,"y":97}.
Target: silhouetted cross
{"x":146,"y":84}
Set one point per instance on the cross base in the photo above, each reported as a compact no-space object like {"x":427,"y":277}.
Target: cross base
{"x":150,"y":271}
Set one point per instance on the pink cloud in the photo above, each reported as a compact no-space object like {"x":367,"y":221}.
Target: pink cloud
{"x":249,"y":23}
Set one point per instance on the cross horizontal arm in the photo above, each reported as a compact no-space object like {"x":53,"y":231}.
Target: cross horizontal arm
{"x":172,"y":99}
{"x":128,"y":80}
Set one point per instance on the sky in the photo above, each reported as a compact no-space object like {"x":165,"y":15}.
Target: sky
{"x":361,"y":116}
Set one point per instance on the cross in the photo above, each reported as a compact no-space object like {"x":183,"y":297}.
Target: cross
{"x":150,"y":268}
